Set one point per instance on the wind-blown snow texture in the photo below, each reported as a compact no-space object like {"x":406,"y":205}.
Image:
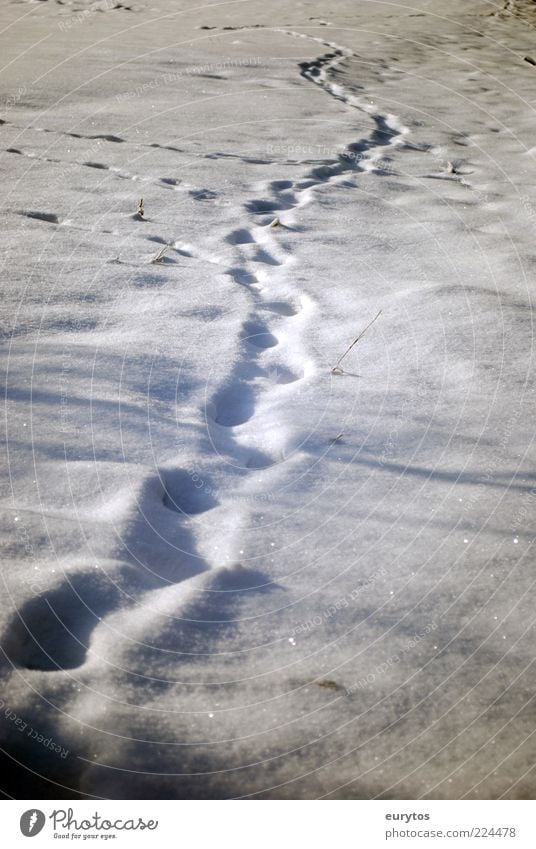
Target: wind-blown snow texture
{"x":228,"y":571}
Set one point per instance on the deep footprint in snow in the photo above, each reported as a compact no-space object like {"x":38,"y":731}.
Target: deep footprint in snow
{"x":257,"y":334}
{"x":52,"y":631}
{"x":264,"y":256}
{"x":282,"y":308}
{"x":242,"y":277}
{"x":49,"y":217}
{"x":274,"y":205}
{"x":240,"y":237}
{"x":99,"y":165}
{"x":233,"y":405}
{"x":187,"y":492}
{"x":259,"y":460}
{"x":282,"y":374}
{"x":280,"y":185}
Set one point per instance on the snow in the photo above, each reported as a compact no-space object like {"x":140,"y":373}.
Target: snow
{"x":230,"y":572}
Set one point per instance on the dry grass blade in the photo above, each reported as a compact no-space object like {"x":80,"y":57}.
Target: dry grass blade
{"x":140,"y":212}
{"x":338,"y":437}
{"x":160,"y":255}
{"x":337,"y":367}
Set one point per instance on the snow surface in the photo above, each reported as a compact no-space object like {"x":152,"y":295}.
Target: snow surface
{"x":230,"y":572}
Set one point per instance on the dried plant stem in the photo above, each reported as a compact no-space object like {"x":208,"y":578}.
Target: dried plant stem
{"x":160,"y":255}
{"x":337,"y":367}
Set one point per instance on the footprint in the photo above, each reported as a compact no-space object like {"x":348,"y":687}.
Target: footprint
{"x":49,"y":217}
{"x":202,"y":194}
{"x":259,"y":460}
{"x":281,"y":308}
{"x":263,"y":256}
{"x":239,"y":237}
{"x":243,"y":278}
{"x":233,"y":405}
{"x":282,"y":374}
{"x":52,"y":631}
{"x":187,"y":492}
{"x":325,"y":172}
{"x":280,"y":185}
{"x":255,"y":333}
{"x":100,"y":165}
{"x":275,"y":205}
{"x":184,"y":252}
{"x":105,"y":137}
{"x":170,"y":181}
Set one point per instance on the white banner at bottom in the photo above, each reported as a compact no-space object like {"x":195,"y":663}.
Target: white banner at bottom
{"x":269,"y":824}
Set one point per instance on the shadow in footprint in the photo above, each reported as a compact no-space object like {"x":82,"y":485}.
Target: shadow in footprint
{"x":202,"y":194}
{"x":280,"y":185}
{"x":282,"y":374}
{"x":275,"y":205}
{"x":196,"y":627}
{"x":263,"y":256}
{"x":239,"y":237}
{"x":49,"y":217}
{"x":187,"y":493}
{"x":233,"y":405}
{"x":255,"y":333}
{"x":99,"y":165}
{"x":259,"y":460}
{"x":243,"y":278}
{"x":281,"y":308}
{"x":52,"y":631}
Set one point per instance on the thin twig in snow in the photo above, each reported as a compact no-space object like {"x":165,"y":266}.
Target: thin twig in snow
{"x":337,"y":367}
{"x":160,"y":255}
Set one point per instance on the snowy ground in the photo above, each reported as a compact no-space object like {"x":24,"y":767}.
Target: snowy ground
{"x":230,"y":572}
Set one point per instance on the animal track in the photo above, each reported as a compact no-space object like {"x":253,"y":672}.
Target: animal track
{"x":101,"y":165}
{"x":263,"y":256}
{"x":242,"y":277}
{"x":49,"y":217}
{"x":187,"y":493}
{"x":239,"y":237}
{"x":282,"y":374}
{"x":281,"y":308}
{"x":233,"y":405}
{"x":52,"y":631}
{"x":263,"y":205}
{"x":256,"y":333}
{"x":259,"y":460}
